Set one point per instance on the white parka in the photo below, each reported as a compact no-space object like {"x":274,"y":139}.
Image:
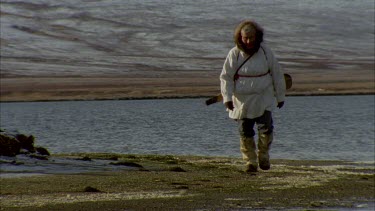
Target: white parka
{"x":251,"y":96}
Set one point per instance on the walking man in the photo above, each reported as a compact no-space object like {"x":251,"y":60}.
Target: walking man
{"x":252,"y":86}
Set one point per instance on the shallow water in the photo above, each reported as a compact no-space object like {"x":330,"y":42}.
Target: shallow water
{"x":23,"y":165}
{"x":329,"y":128}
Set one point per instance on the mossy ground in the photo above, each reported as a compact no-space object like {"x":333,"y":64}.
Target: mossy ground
{"x":191,"y":183}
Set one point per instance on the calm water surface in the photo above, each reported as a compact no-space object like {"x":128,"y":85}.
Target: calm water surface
{"x":331,"y":127}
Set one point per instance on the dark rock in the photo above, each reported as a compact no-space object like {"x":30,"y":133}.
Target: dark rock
{"x":365,"y":177}
{"x":177,"y":169}
{"x":21,"y":138}
{"x":27,"y":142}
{"x":91,"y":189}
{"x":42,"y":151}
{"x":182,"y":187}
{"x":129,"y":164}
{"x":12,"y":144}
{"x":179,"y":183}
{"x":113,"y":158}
{"x":85,"y":158}
{"x":9,"y":146}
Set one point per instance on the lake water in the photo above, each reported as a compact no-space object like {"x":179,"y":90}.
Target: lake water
{"x":316,"y":127}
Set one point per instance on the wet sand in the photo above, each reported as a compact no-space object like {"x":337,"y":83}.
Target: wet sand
{"x":168,"y":85}
{"x":193,"y":182}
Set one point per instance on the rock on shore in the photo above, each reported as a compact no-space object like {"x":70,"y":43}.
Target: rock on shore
{"x":13,"y":144}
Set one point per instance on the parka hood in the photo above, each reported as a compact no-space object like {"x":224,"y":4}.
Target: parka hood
{"x":258,"y":37}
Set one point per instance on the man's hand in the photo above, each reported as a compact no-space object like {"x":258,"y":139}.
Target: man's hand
{"x":280,"y":104}
{"x":229,"y":105}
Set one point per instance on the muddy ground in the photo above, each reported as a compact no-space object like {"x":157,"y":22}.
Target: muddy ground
{"x":160,"y":182}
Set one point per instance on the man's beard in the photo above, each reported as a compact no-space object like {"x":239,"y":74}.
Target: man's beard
{"x":250,"y":51}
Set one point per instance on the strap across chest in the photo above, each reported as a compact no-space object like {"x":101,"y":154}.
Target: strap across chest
{"x":237,"y":76}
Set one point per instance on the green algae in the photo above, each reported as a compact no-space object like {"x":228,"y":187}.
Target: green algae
{"x":200,"y":183}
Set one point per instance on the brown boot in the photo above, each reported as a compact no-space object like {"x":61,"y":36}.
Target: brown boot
{"x":249,"y":154}
{"x":264,"y":144}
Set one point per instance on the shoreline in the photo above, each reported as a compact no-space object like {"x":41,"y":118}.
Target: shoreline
{"x":185,"y":97}
{"x":174,"y":86}
{"x":194,"y":182}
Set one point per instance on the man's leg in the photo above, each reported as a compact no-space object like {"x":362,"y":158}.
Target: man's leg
{"x":247,"y":144}
{"x":265,"y":138}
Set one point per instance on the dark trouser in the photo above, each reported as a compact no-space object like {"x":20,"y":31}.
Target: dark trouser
{"x":264,"y":123}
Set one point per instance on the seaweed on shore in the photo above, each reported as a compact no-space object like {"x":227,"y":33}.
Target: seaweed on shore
{"x":197,"y":183}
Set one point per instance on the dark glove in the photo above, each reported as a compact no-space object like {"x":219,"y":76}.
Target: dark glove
{"x":229,"y":105}
{"x":280,"y":104}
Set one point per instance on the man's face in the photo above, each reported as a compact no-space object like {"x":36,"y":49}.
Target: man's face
{"x":248,"y":39}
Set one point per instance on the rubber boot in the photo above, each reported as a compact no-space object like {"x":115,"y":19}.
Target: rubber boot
{"x":264,"y":145}
{"x":249,"y":154}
